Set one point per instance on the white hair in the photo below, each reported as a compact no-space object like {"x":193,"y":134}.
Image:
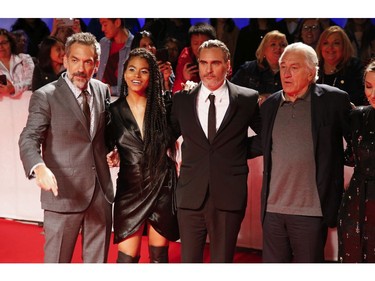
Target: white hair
{"x":312,"y":60}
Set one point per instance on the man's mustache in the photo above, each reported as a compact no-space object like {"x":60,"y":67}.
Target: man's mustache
{"x":80,"y":74}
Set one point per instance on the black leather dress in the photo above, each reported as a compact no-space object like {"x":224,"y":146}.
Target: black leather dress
{"x":139,"y":199}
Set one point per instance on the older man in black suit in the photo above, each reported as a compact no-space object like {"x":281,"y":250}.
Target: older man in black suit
{"x":303,"y":127}
{"x":212,"y":188}
{"x":63,"y":146}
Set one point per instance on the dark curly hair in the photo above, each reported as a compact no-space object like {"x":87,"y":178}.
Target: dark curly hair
{"x":158,"y":139}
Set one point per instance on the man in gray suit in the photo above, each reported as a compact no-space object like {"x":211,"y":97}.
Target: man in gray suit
{"x":64,"y":150}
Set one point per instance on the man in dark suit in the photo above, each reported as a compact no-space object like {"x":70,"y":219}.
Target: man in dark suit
{"x":212,"y":187}
{"x":303,"y":127}
{"x":63,"y":147}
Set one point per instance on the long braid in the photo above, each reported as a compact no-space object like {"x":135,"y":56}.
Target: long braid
{"x":155,"y":121}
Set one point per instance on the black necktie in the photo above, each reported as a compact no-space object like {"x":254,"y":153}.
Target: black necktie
{"x":211,"y":119}
{"x":86,"y":107}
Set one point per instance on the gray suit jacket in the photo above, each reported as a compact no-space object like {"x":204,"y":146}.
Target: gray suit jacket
{"x":56,"y":134}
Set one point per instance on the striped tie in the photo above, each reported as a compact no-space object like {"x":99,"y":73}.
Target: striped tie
{"x":86,"y":107}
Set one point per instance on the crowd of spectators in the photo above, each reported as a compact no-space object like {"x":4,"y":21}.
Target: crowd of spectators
{"x":356,"y":37}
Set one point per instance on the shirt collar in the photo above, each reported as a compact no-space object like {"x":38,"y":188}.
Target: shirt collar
{"x":205,"y":92}
{"x":72,"y":87}
{"x":306,"y":96}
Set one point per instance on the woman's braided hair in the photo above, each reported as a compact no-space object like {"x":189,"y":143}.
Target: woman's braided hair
{"x":157,"y":137}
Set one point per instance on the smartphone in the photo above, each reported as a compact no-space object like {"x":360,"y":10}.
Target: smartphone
{"x":3,"y":79}
{"x":162,"y":54}
{"x":192,"y":64}
{"x":67,"y":21}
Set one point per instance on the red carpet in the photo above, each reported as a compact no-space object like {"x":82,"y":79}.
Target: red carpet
{"x":23,"y":243}
{"x":21,"y":258}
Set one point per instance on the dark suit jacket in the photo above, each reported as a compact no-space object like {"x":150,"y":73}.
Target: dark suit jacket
{"x":330,"y":109}
{"x":221,"y":166}
{"x":56,"y":134}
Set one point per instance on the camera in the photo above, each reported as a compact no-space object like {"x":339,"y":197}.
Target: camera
{"x":194,"y":63}
{"x":3,"y":79}
{"x":162,"y":54}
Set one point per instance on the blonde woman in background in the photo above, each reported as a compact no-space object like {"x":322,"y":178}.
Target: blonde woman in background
{"x":263,"y":74}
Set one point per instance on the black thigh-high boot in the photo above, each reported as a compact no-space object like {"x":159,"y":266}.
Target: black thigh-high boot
{"x":124,"y":258}
{"x":158,"y":254}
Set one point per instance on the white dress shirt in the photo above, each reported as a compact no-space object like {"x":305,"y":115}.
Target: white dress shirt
{"x":221,"y":104}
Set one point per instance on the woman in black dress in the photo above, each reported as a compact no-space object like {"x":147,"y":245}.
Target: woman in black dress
{"x":147,"y":175}
{"x":356,"y":225}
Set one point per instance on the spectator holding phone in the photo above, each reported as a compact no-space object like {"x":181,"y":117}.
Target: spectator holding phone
{"x":187,"y":65}
{"x":62,"y":28}
{"x":144,"y":39}
{"x":18,"y":68}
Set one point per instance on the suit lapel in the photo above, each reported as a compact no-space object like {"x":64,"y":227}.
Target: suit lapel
{"x":67,"y":98}
{"x":232,"y":108}
{"x":317,"y":112}
{"x":269,"y":112}
{"x":96,"y":107}
{"x":193,"y":99}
